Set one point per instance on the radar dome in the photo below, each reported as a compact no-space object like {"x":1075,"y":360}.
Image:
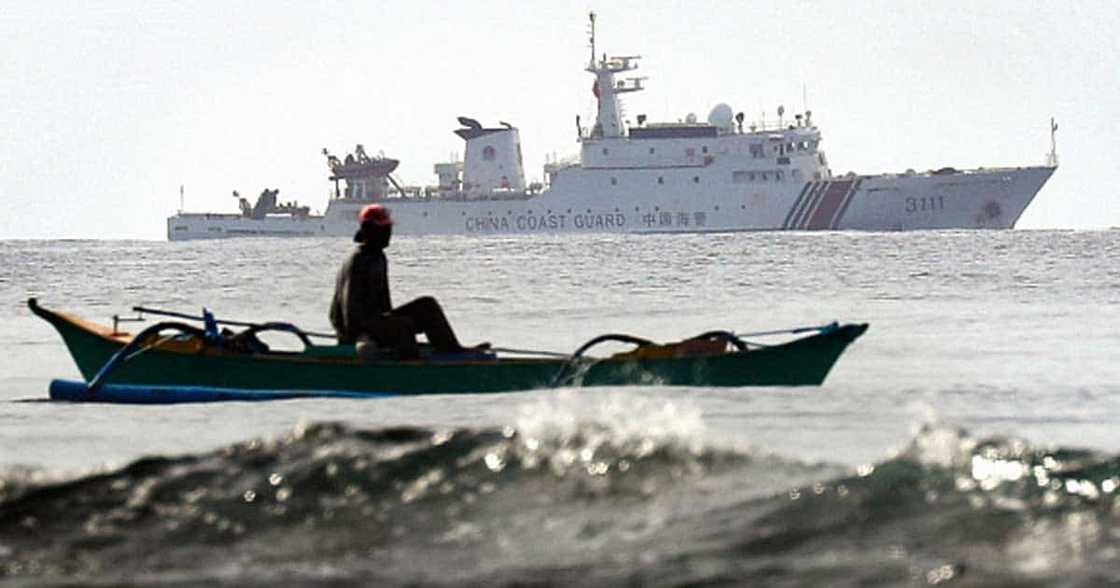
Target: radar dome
{"x":721,"y":116}
{"x":690,"y":119}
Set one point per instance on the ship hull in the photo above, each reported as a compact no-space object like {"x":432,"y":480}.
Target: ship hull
{"x":691,"y":201}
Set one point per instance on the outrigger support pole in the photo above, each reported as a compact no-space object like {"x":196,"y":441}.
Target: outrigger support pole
{"x":158,"y":312}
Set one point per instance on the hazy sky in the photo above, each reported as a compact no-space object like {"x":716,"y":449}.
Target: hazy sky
{"x":106,"y":109}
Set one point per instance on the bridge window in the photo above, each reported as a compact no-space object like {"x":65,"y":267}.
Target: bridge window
{"x":757,"y":151}
{"x":740,"y":177}
{"x":488,"y":153}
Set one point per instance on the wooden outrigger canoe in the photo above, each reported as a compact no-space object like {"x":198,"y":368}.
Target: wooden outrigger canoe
{"x":199,"y":365}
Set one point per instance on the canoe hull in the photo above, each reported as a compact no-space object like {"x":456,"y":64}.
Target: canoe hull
{"x":804,"y":361}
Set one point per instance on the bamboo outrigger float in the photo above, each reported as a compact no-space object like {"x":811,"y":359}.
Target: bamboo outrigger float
{"x":195,"y":364}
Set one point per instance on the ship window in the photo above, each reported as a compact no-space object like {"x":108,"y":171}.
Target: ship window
{"x":660,"y":179}
{"x":704,"y":149}
{"x":605,"y":151}
{"x":651,"y":150}
{"x":488,"y":153}
{"x":765,"y":176}
{"x":614,"y":181}
{"x":757,"y":150}
{"x":740,"y":177}
{"x":750,"y":176}
{"x":695,"y":179}
{"x":777,"y":176}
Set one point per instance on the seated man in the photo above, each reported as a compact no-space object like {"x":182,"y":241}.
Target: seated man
{"x":362,"y":311}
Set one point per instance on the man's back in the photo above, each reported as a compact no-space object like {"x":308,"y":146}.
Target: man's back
{"x":361,"y":294}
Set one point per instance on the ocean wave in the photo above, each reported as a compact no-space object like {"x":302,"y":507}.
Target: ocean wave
{"x":569,"y":498}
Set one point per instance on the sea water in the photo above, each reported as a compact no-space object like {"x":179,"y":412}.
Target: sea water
{"x":968,"y":438}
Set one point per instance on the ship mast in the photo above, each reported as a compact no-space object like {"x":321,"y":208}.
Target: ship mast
{"x":591,"y":28}
{"x":608,"y":120}
{"x":1052,"y":158}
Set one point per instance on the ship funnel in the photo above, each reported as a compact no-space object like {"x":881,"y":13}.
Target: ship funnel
{"x":492,"y":160}
{"x":469,"y":123}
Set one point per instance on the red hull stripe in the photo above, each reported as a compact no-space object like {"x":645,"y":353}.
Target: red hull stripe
{"x":807,"y":204}
{"x":829,"y":203}
{"x":844,"y":207}
{"x":792,"y":209}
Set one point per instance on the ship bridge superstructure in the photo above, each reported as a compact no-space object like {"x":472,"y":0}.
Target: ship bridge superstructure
{"x":785,"y":148}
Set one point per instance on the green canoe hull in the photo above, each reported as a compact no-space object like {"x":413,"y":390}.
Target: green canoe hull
{"x":801,"y":362}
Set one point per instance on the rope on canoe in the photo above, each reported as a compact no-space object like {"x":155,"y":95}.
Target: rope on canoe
{"x":825,"y":328}
{"x":530,"y":352}
{"x":741,"y":337}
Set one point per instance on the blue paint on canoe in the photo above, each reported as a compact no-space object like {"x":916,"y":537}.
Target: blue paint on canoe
{"x":72,"y":391}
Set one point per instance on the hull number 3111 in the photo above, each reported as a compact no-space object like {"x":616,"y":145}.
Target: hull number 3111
{"x":925,"y":204}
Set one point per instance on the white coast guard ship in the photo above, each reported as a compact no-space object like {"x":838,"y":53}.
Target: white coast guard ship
{"x":717,"y":175}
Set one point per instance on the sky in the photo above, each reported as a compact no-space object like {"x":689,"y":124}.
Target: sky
{"x":107,"y":108}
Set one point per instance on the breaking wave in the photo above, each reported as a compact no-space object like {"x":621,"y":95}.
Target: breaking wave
{"x":568,"y":498}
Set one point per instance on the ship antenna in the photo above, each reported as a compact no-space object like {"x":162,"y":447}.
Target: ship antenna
{"x":181,"y":194}
{"x":591,"y":29}
{"x":1052,"y":160}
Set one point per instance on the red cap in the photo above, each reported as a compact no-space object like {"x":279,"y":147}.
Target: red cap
{"x":376,"y":214}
